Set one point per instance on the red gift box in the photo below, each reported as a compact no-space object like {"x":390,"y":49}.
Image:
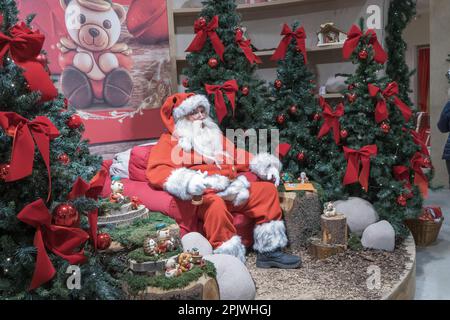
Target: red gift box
{"x":431,"y":213}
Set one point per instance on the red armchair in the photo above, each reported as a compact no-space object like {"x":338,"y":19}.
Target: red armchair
{"x":183,"y":212}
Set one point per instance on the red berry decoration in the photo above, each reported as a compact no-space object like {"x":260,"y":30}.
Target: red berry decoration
{"x":64,"y":158}
{"x":301,"y":156}
{"x":317,"y":117}
{"x":401,"y":200}
{"x":281,"y":119}
{"x":363,"y":54}
{"x":4,"y":170}
{"x":65,"y":215}
{"x":293,"y":110}
{"x":201,"y":22}
{"x":351,"y":97}
{"x":74,"y":122}
{"x":343,"y":133}
{"x":103,"y":241}
{"x":385,"y":127}
{"x":245,"y":90}
{"x":212,"y":62}
{"x":278,"y":84}
{"x":185,"y":83}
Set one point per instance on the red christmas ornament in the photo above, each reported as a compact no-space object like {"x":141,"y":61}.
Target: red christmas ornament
{"x":103,"y":241}
{"x":212,"y":62}
{"x":245,"y":90}
{"x":351,"y":86}
{"x":64,"y":159}
{"x":351,"y":97}
{"x":301,"y":156}
{"x":4,"y":170}
{"x":201,"y":22}
{"x":343,"y":133}
{"x":385,"y":127}
{"x":316,"y":116}
{"x":74,"y":122}
{"x":427,"y":162}
{"x":281,"y":119}
{"x":363,"y":54}
{"x":293,"y":110}
{"x":401,"y":200}
{"x":278,"y":84}
{"x":185,"y":83}
{"x":65,"y":215}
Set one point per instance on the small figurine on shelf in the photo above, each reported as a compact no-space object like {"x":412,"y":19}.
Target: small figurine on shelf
{"x":330,"y":35}
{"x":150,"y":247}
{"x":329,"y":210}
{"x":303,"y":178}
{"x":184,"y":260}
{"x":116,"y":190}
{"x":135,"y":203}
{"x":196,"y":256}
{"x":286,"y":177}
{"x":172,"y":268}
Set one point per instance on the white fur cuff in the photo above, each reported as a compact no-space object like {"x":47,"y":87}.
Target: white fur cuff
{"x":233,"y":247}
{"x":237,"y":191}
{"x":269,"y":236}
{"x":189,"y":105}
{"x":261,"y":163}
{"x":178,"y":181}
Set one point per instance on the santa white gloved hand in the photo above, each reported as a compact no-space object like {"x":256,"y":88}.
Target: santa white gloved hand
{"x":273,"y":174}
{"x":197,"y":184}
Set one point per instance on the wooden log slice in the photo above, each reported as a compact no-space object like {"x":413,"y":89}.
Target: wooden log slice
{"x":320,"y":250}
{"x":334,"y":229}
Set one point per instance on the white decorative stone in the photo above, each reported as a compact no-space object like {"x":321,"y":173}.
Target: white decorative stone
{"x":233,"y":278}
{"x":359,"y":213}
{"x":380,"y":235}
{"x":196,"y":240}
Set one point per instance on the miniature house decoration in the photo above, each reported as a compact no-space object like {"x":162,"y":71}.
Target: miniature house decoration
{"x":330,"y":35}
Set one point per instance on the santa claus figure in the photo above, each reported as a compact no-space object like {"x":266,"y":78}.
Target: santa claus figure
{"x":194,"y":160}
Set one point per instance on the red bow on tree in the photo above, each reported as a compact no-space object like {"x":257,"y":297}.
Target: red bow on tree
{"x":245,"y":45}
{"x":401,"y":173}
{"x":418,"y":140}
{"x":420,"y":180}
{"x":24,"y":46}
{"x":202,"y":33}
{"x":353,"y":38}
{"x":62,"y":241}
{"x":300,"y":37}
{"x":90,"y":190}
{"x":357,"y":158}
{"x":331,"y":119}
{"x":381,"y":110}
{"x":26,"y":133}
{"x":230,"y":88}
{"x":282,"y":149}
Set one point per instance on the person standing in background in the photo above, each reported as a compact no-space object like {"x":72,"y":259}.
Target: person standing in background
{"x":444,"y":127}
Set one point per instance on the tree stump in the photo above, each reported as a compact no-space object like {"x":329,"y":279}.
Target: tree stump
{"x":205,"y":288}
{"x":320,"y":250}
{"x":334,"y":229}
{"x":302,"y":217}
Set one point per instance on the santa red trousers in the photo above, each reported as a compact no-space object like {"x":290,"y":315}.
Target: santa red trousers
{"x":263,"y":205}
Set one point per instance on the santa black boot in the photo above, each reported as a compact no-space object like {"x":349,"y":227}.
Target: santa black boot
{"x":269,"y":239}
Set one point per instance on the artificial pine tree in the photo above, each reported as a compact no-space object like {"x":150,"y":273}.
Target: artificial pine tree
{"x":34,"y":208}
{"x":222,"y":66}
{"x":385,"y":160}
{"x":400,"y":14}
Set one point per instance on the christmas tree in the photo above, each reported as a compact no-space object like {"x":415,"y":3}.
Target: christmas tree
{"x":400,"y":14}
{"x":309,"y":131}
{"x":384,"y":157}
{"x":47,"y":209}
{"x":222,"y":66}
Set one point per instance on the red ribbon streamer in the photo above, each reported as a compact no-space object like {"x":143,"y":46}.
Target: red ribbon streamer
{"x":331,"y":119}
{"x":353,"y":38}
{"x":230,"y":88}
{"x":282,"y":149}
{"x":418,"y":140}
{"x":40,"y":131}
{"x":62,"y":241}
{"x":420,"y":179}
{"x":357,"y":158}
{"x":245,"y":45}
{"x":381,"y":110}
{"x":24,"y":46}
{"x":202,"y":33}
{"x":300,"y":37}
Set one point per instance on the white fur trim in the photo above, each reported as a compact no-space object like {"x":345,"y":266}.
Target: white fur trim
{"x":178,"y":181}
{"x":237,"y":191}
{"x":261,"y":163}
{"x":269,"y":236}
{"x":217,"y":182}
{"x":233,"y":247}
{"x":189,"y":105}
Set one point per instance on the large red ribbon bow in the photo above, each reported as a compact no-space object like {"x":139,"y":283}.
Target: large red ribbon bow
{"x":245,"y":45}
{"x":202,"y":33}
{"x":282,"y":150}
{"x":90,"y":190}
{"x":26,"y":133}
{"x":420,"y":179}
{"x":62,"y":241}
{"x":24,"y":46}
{"x":353,"y":38}
{"x":230,"y":88}
{"x":381,"y":110}
{"x":357,"y":158}
{"x":300,"y":37}
{"x":331,"y":119}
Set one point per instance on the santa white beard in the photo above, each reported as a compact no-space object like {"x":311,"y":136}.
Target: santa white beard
{"x":202,"y":136}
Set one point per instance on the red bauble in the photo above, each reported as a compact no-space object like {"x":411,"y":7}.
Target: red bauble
{"x":351,"y":86}
{"x":65,"y":215}
{"x":277,"y":84}
{"x":64,"y":158}
{"x":343,"y":133}
{"x":385,"y":127}
{"x":401,"y":200}
{"x":363,"y":54}
{"x":185,"y":83}
{"x":245,"y":90}
{"x":4,"y":170}
{"x":351,"y":97}
{"x":293,"y":110}
{"x":74,"y":122}
{"x":317,"y":117}
{"x":103,"y":241}
{"x":427,"y":163}
{"x":281,"y":119}
{"x":301,"y":156}
{"x":201,"y":22}
{"x":212,"y":62}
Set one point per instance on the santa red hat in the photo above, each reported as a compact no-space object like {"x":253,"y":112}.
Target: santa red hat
{"x":180,"y":105}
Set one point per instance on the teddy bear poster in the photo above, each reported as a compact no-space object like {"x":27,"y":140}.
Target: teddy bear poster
{"x":110,"y":59}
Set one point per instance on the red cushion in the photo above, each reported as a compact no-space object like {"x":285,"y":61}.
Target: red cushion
{"x":138,"y":163}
